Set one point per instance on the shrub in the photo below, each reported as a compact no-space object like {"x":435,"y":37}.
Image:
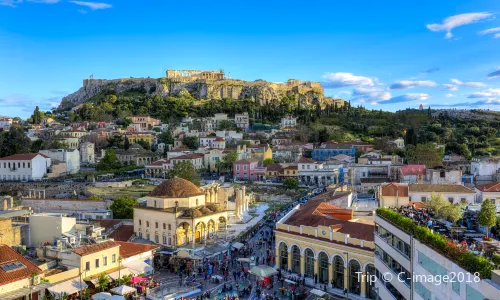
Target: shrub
{"x":496,"y":259}
{"x":470,"y":262}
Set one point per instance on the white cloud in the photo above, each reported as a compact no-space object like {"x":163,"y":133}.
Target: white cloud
{"x":456,"y":81}
{"x":496,"y":36}
{"x":337,"y":80}
{"x":92,"y":5}
{"x":494,"y":74}
{"x":370,"y":94}
{"x":450,"y":87}
{"x":474,"y":84}
{"x":405,"y":84}
{"x":491,"y":30}
{"x":407,"y":98}
{"x":459,"y":20}
{"x":10,"y":3}
{"x":45,"y":1}
{"x":449,"y":95}
{"x":489,"y":93}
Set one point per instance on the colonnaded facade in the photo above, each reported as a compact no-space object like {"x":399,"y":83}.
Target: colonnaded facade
{"x":178,"y":213}
{"x":334,"y":245}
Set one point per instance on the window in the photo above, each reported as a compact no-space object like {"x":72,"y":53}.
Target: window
{"x":430,"y":265}
{"x":164,"y":226}
{"x":157,"y":239}
{"x":169,"y":227}
{"x":140,"y":222}
{"x":423,"y":199}
{"x":105,"y":261}
{"x":156,"y":224}
{"x":442,"y":174}
{"x":97,"y":263}
{"x":244,"y":168}
{"x":29,"y":165}
{"x":24,"y":165}
{"x":451,"y":199}
{"x":147,"y":223}
{"x":423,"y":292}
{"x":164,"y":239}
{"x":87,"y":266}
{"x":113,"y":258}
{"x":237,"y":167}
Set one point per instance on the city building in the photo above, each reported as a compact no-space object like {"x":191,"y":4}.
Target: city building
{"x":488,"y":191}
{"x":144,"y":122}
{"x":136,"y":155}
{"x":328,"y":150}
{"x":320,"y":173}
{"x":196,"y":159}
{"x":70,"y":157}
{"x":242,"y":120}
{"x":22,"y":167}
{"x":248,"y":169}
{"x":178,"y":213}
{"x":335,"y":245}
{"x":444,"y":176}
{"x":87,"y":153}
{"x":412,"y":174}
{"x":212,"y":142}
{"x":10,"y":233}
{"x":5,"y":123}
{"x":404,"y":265}
{"x":17,"y":280}
{"x":454,"y":193}
{"x":288,"y":122}
{"x":261,"y":152}
{"x":135,"y":137}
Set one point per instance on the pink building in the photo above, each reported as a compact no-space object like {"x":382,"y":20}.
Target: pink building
{"x":248,"y":169}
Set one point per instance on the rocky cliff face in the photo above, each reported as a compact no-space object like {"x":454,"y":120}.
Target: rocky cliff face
{"x":259,"y":91}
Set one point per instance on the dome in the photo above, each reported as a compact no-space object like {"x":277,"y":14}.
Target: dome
{"x":175,"y":188}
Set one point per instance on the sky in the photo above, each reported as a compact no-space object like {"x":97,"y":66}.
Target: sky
{"x":387,"y":55}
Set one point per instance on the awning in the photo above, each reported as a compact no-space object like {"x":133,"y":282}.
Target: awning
{"x":193,"y":292}
{"x":123,"y":290}
{"x":182,"y":254}
{"x":67,"y":288}
{"x":243,"y":259}
{"x":237,"y":245}
{"x":317,"y":292}
{"x":139,"y":266}
{"x":123,"y":272}
{"x":290,"y":281}
{"x":25,"y":291}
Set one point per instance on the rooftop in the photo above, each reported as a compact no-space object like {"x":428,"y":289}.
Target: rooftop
{"x":439,"y":188}
{"x":489,"y":187}
{"x":24,"y":156}
{"x":130,"y":249}
{"x":14,"y":267}
{"x":93,"y":248}
{"x":176,"y":188}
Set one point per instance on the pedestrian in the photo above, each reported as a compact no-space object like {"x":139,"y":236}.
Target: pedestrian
{"x":315,"y":279}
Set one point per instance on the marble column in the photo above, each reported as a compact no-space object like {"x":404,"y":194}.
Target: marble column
{"x":330,"y":273}
{"x":302,"y":264}
{"x":289,"y":260}
{"x":346,"y":278}
{"x":278,"y":259}
{"x":362,"y":283}
{"x":316,"y":268}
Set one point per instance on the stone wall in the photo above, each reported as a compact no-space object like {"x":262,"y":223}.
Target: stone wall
{"x":52,"y":189}
{"x":62,"y":205}
{"x":11,"y":235}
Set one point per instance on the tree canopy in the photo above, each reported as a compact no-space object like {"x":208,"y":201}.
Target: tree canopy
{"x":487,"y":215}
{"x":185,"y":170}
{"x":123,"y":207}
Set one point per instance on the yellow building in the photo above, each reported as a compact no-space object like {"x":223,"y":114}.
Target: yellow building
{"x":140,"y":136}
{"x":261,"y":152}
{"x":180,"y":213}
{"x":10,"y":235}
{"x":291,"y":171}
{"x":144,"y":122}
{"x":333,"y":245}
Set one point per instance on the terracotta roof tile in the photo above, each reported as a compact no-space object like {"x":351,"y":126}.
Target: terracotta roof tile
{"x":489,"y":187}
{"x":9,"y":255}
{"x":24,"y":156}
{"x":122,"y":233}
{"x":175,"y":188}
{"x":128,"y":249}
{"x":391,"y":189}
{"x":412,"y":170}
{"x":306,"y":160}
{"x":93,"y":248}
{"x":440,"y":188}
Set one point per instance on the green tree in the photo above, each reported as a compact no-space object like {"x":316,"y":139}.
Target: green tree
{"x":268,"y":161}
{"x":226,"y":125}
{"x":436,"y":203}
{"x":452,"y":212}
{"x":123,"y":207}
{"x":103,"y":281}
{"x":291,"y":184}
{"x":36,"y":118}
{"x":166,"y":138}
{"x":109,"y":162}
{"x":487,"y":215}
{"x":126,"y":143}
{"x":14,"y":141}
{"x":115,"y":141}
{"x":191,"y":142}
{"x":185,"y":170}
{"x":226,"y":164}
{"x":426,"y":154}
{"x":323,"y":135}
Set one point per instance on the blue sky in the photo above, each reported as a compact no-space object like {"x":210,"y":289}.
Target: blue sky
{"x":382,"y":54}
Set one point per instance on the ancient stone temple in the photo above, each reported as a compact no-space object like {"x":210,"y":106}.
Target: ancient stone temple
{"x":178,"y":213}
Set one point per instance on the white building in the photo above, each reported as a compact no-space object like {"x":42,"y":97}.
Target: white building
{"x":212,"y":142}
{"x":87,"y":153}
{"x":242,"y":120}
{"x":45,"y":228}
{"x":5,"y":123}
{"x":485,"y":169}
{"x":20,"y":167}
{"x":70,"y":157}
{"x":196,"y":159}
{"x":488,"y":191}
{"x":288,"y":121}
{"x":318,"y":173}
{"x":229,"y":135}
{"x":398,"y":255}
{"x":444,"y":176}
{"x":454,"y":193}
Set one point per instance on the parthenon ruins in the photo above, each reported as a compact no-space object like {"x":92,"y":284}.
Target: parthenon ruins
{"x":196,"y":74}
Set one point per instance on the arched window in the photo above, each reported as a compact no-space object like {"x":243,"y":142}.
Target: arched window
{"x":157,"y":238}
{"x":140,"y":234}
{"x":370,"y":286}
{"x":323,"y":265}
{"x":156,"y":224}
{"x":164,"y":226}
{"x":140,"y":222}
{"x":338,"y":272}
{"x":354,"y":286}
{"x":169,"y":227}
{"x":147,"y":223}
{"x":284,"y":256}
{"x":295,"y":259}
{"x":164,"y":239}
{"x":309,"y":263}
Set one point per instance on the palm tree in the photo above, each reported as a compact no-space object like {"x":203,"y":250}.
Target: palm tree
{"x":103,"y":281}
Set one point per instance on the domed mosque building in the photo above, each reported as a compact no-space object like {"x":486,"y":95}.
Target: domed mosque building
{"x":179,"y":213}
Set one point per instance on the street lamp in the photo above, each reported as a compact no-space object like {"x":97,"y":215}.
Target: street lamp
{"x":348,"y":275}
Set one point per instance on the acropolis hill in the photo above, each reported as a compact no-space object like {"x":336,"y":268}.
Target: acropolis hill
{"x":207,"y":85}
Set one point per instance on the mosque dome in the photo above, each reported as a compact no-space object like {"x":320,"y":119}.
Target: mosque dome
{"x":175,"y":188}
